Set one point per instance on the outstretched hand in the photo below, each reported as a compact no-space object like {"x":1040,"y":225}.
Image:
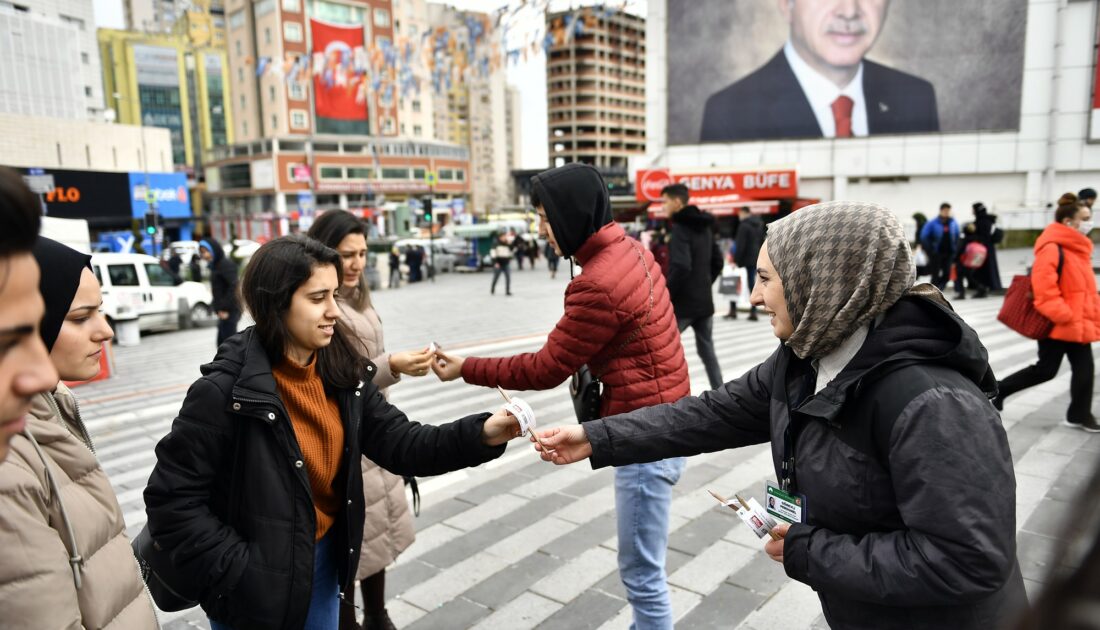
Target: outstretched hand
{"x":447,"y":367}
{"x":563,"y":445}
{"x":499,"y":428}
{"x":416,"y":363}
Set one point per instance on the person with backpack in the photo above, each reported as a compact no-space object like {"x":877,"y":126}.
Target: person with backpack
{"x":968,"y":264}
{"x":1064,"y":286}
{"x":876,"y":405}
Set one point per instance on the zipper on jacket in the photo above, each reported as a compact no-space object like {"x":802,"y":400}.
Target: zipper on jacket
{"x":56,"y":409}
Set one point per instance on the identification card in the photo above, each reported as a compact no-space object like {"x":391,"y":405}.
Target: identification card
{"x":754,"y":516}
{"x":787,"y":507}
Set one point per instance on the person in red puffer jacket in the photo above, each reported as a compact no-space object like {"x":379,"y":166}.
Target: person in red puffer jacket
{"x":1067,"y":298}
{"x":619,"y":321}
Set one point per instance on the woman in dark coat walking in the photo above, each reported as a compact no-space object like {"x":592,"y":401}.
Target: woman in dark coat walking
{"x":256,"y":497}
{"x":876,"y":405}
{"x":987,"y":233}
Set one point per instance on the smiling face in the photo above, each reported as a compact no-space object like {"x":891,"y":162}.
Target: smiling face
{"x":25,"y":368}
{"x":547,"y":232}
{"x":311,"y":318}
{"x":353,"y":254}
{"x":79,"y":344}
{"x":834,"y":35}
{"x":768,"y":294}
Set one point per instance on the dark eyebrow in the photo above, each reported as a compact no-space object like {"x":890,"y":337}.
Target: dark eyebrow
{"x":87,"y":307}
{"x":18,"y":331}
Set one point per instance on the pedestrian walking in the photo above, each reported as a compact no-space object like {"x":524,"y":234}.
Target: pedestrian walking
{"x":251,"y":498}
{"x":223,"y":287}
{"x":501,"y":253}
{"x":876,"y":404}
{"x":552,"y":259}
{"x":388,"y":528}
{"x":194,"y":268}
{"x":414,"y":258}
{"x":25,"y":367}
{"x":175,"y":266}
{"x":746,"y":249}
{"x":966,"y":275}
{"x":68,"y":562}
{"x":940,"y":240}
{"x":1065,"y":292}
{"x":395,"y":268}
{"x":532,"y":252}
{"x":618,"y":321}
{"x":987,"y":233}
{"x":1087,"y":197}
{"x":694,"y":263}
{"x":519,"y":250}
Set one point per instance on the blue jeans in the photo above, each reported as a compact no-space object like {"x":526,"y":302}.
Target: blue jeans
{"x":643,"y":494}
{"x":324,"y":605}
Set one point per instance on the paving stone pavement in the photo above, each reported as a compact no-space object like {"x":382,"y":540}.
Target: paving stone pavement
{"x":518,"y":543}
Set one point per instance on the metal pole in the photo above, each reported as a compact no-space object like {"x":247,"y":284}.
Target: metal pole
{"x":431,"y":233}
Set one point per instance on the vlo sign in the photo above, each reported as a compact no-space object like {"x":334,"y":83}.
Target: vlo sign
{"x":721,"y":192}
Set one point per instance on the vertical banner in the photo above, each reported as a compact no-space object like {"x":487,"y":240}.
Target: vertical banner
{"x":339,"y":77}
{"x":1094,"y":111}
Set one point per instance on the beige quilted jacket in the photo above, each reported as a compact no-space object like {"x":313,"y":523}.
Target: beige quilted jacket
{"x":66,"y":562}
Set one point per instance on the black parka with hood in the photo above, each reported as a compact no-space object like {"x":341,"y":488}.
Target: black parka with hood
{"x":694,"y":263}
{"x":906,"y":469}
{"x":223,"y":279}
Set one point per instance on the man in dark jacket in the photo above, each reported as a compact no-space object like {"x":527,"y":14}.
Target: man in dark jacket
{"x":940,"y":240}
{"x":694,"y":263}
{"x":750,"y":236}
{"x":223,"y":287}
{"x":618,"y":320}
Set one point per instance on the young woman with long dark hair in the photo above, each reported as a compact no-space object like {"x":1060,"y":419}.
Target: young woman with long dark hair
{"x":255,"y":496}
{"x":388,"y":528}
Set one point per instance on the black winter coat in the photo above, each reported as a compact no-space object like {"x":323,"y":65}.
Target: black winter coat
{"x":910,"y":491}
{"x":230,"y":500}
{"x":750,"y":237}
{"x":223,"y":281}
{"x":694,"y":263}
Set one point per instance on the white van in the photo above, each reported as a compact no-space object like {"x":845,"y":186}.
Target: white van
{"x":136,"y":284}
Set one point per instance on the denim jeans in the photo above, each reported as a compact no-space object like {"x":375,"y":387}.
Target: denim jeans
{"x":324,"y":605}
{"x":643,"y":494}
{"x":502,"y":268}
{"x":704,"y":345}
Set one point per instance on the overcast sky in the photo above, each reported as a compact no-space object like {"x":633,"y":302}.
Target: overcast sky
{"x":529,"y":77}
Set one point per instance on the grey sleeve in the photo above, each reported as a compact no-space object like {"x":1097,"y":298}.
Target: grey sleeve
{"x":956,"y":492}
{"x":736,"y":414}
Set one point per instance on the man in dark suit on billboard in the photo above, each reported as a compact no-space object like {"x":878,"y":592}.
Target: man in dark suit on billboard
{"x":820,"y":84}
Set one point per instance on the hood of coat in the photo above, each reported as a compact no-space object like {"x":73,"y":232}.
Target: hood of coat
{"x":243,"y":357}
{"x":1069,"y":238}
{"x":60,"y":267}
{"x":215,"y":249}
{"x":921,"y":328}
{"x":43,"y":411}
{"x":575,"y":199}
{"x":693,"y":218}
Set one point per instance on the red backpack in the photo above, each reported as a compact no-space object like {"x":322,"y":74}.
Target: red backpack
{"x":974,"y":255}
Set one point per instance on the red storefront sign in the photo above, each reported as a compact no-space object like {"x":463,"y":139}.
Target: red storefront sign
{"x":722,"y":187}
{"x":339,"y":81}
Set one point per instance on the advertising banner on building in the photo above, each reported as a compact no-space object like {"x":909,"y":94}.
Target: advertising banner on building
{"x":745,"y":71}
{"x":167,"y":190}
{"x":102,"y":199}
{"x":339,"y":72}
{"x":720,"y":192}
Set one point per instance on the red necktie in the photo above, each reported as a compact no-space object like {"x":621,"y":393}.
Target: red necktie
{"x":842,"y":115}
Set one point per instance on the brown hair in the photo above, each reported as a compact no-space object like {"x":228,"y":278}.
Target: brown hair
{"x":330,"y":229}
{"x":1068,"y":206}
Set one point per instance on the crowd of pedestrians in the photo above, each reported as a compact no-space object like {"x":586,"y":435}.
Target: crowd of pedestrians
{"x":280,"y":484}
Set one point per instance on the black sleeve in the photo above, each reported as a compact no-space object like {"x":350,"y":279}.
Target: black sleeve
{"x":404,"y":447}
{"x":679,"y":262}
{"x":736,"y":414}
{"x":716,"y":261}
{"x":207,"y":555}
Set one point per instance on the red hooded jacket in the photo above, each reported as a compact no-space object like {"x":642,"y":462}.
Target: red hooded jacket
{"x":1071,"y":303}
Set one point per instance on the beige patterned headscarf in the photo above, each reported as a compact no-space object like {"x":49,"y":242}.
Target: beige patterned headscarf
{"x":842,"y":263}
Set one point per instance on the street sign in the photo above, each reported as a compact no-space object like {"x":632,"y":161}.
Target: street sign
{"x":431,"y":178}
{"x":39,"y":184}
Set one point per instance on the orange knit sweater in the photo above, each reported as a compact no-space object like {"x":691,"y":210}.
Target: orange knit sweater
{"x":320,"y":432}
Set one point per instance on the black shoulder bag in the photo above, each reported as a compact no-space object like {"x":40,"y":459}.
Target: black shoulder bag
{"x":585,"y":386}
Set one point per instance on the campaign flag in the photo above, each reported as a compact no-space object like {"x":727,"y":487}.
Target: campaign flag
{"x":337,"y":87}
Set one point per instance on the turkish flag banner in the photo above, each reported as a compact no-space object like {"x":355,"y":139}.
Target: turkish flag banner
{"x":339,"y":71}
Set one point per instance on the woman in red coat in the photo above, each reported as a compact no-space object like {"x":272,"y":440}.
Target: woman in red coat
{"x":1069,"y":300}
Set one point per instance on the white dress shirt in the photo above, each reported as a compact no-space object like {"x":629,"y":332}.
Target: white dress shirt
{"x":821,"y":92}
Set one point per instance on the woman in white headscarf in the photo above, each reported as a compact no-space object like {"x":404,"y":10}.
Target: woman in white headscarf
{"x":876,"y":404}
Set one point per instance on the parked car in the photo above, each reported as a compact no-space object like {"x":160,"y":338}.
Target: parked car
{"x":136,"y":284}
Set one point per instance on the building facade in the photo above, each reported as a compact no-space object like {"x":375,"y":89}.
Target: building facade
{"x":416,"y":106}
{"x":41,"y":37}
{"x":163,"y":16}
{"x":171,"y":82}
{"x":596,"y":88}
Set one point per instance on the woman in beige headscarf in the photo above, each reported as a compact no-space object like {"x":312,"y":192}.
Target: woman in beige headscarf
{"x":876,"y":405}
{"x":388,"y":528}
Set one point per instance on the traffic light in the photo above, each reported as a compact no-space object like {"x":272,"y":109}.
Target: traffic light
{"x":427,"y":201}
{"x":150,"y":223}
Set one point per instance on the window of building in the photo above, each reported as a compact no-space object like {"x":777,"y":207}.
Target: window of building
{"x":297,"y":91}
{"x":417,"y":131}
{"x":267,"y":34}
{"x":299,"y":119}
{"x":332,"y":172}
{"x":244,"y":123}
{"x":395,"y":173}
{"x":446,"y":174}
{"x":87,"y":90}
{"x":274,"y":123}
{"x":263,"y":7}
{"x":271,"y":93}
{"x":416,"y":106}
{"x":242,"y":101}
{"x":292,"y":31}
{"x":402,"y":128}
{"x":388,"y":126}
{"x":292,"y":6}
{"x":240,"y":75}
{"x":381,"y":18}
{"x":419,"y":174}
{"x":68,"y":19}
{"x":84,"y":58}
{"x":236,"y":20}
{"x":240,"y":50}
{"x":360,"y":172}
{"x":460,"y":175}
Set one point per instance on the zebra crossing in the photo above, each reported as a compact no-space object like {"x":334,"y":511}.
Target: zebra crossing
{"x":519,"y":543}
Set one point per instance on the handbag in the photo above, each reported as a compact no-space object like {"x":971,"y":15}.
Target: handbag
{"x":585,"y":387}
{"x":1018,"y":311}
{"x":154,"y":565}
{"x":729,"y":285}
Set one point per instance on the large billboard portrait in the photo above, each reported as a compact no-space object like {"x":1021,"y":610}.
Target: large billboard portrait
{"x":742,"y":70}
